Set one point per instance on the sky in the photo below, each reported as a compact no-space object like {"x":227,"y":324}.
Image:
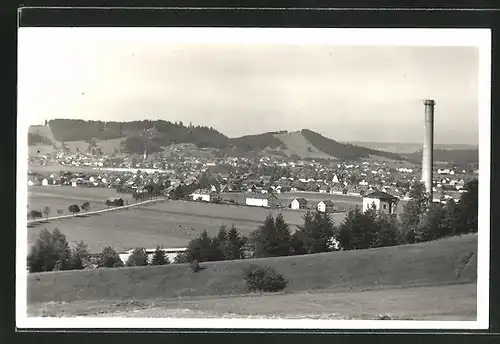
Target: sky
{"x":345,"y":92}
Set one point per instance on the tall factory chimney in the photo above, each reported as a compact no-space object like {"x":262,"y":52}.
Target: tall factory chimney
{"x":428,"y":148}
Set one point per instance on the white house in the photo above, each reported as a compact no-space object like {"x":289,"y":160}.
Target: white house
{"x":170,"y":253}
{"x":257,"y":202}
{"x":298,"y":203}
{"x":204,"y":195}
{"x":45,"y":182}
{"x":325,"y":206}
{"x":335,"y":179}
{"x":382,"y":201}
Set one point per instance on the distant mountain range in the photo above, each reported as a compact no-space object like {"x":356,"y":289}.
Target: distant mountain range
{"x":408,"y":148}
{"x":155,"y":136}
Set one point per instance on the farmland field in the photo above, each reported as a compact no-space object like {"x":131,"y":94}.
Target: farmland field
{"x":60,"y":197}
{"x":168,"y":223}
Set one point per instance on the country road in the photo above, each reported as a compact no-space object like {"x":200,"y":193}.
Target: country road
{"x":97,"y":211}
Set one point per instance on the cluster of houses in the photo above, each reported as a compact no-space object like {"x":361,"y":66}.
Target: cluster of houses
{"x":251,"y":175}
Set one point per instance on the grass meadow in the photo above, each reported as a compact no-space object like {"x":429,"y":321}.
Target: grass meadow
{"x":167,"y":223}
{"x":419,"y":281}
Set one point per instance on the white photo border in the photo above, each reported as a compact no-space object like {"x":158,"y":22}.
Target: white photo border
{"x":480,"y":38}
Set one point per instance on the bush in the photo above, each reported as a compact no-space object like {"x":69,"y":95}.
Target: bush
{"x":195,"y":266}
{"x":264,"y":279}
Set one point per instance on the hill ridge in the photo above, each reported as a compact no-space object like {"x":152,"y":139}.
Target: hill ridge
{"x":137,"y":136}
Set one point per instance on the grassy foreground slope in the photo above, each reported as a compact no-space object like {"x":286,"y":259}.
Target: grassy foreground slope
{"x":445,"y":261}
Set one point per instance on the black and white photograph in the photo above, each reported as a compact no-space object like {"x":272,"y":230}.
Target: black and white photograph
{"x":253,"y":178}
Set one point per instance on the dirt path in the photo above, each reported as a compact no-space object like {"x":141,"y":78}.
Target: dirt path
{"x":451,"y":302}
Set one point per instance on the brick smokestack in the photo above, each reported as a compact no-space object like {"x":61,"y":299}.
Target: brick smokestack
{"x":428,"y":148}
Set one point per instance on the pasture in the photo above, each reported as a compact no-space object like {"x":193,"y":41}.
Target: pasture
{"x":434,"y":280}
{"x":60,"y":197}
{"x":168,"y":223}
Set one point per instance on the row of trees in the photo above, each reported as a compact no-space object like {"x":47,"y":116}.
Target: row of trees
{"x":52,"y":252}
{"x":73,"y":208}
{"x":420,"y":221}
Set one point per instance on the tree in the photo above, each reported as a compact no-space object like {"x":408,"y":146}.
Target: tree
{"x":203,"y":249}
{"x":387,"y":231}
{"x":433,"y":224}
{"x":138,"y":258}
{"x":50,"y":252}
{"x":86,"y":206}
{"x":46,"y":211}
{"x":358,"y":230}
{"x":469,"y":206}
{"x":79,"y":256}
{"x":159,"y":257}
{"x":234,"y":245}
{"x":221,"y":242}
{"x":33,"y":214}
{"x":317,"y":232}
{"x":452,"y":217}
{"x":110,"y":259}
{"x":74,"y":208}
{"x":272,"y":239}
{"x":413,"y":212}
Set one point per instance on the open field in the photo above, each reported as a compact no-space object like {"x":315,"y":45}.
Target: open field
{"x":297,"y":144}
{"x":60,"y":197}
{"x":420,"y":281}
{"x":56,"y":169}
{"x":167,"y":223}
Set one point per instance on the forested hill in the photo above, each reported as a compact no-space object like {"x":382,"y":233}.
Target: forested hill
{"x":153,"y":135}
{"x":343,"y":150}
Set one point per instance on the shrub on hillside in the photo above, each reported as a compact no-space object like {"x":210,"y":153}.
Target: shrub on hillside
{"x":50,"y":252}
{"x":195,"y":266}
{"x":74,"y":208}
{"x":138,"y":258}
{"x":264,"y":279}
{"x":110,"y":259}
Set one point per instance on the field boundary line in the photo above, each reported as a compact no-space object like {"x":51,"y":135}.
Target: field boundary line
{"x":98,"y":211}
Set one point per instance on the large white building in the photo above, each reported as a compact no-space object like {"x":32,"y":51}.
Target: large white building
{"x":170,"y":253}
{"x":257,"y":202}
{"x":204,"y":195}
{"x":382,"y":201}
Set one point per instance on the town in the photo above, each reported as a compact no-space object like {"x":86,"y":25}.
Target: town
{"x":222,"y":177}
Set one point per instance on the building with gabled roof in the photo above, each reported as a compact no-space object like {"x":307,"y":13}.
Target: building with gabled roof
{"x":382,"y":201}
{"x":325,"y":206}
